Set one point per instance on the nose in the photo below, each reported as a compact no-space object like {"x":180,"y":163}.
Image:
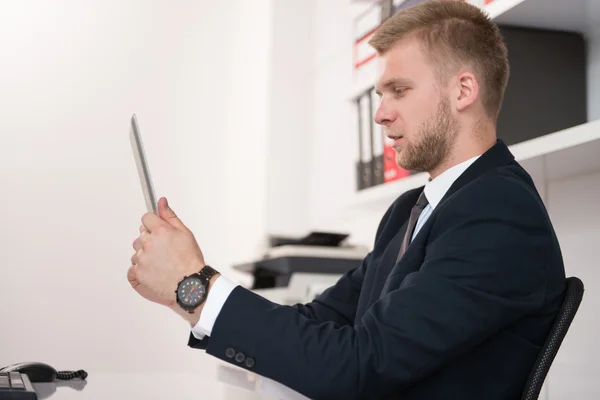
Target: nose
{"x":384,"y":115}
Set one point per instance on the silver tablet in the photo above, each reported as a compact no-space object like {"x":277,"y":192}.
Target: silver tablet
{"x":142,"y":166}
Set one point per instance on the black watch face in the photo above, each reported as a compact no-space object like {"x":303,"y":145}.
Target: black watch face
{"x":191,"y":292}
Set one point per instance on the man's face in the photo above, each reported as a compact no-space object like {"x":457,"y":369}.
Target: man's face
{"x":414,"y":109}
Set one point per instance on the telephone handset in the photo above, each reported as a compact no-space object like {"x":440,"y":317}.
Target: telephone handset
{"x":40,"y":372}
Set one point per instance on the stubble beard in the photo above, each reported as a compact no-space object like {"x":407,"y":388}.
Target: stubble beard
{"x":433,"y":143}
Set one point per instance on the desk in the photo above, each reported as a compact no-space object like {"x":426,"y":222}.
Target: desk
{"x":176,"y":386}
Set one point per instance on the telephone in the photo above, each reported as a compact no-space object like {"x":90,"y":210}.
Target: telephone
{"x":40,"y":372}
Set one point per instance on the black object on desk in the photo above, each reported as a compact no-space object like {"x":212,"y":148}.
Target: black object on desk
{"x":42,"y":372}
{"x":329,"y":239}
{"x":16,"y":386}
{"x":16,"y":379}
{"x":316,"y":253}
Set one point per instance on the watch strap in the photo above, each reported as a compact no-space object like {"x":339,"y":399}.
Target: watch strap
{"x":207,"y":272}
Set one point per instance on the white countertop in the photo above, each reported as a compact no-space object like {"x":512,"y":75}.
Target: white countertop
{"x":229,"y":384}
{"x":145,"y":386}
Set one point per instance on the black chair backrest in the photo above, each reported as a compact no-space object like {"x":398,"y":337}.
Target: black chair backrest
{"x":572,"y":299}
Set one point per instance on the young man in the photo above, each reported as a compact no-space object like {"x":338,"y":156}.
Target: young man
{"x":465,"y":276}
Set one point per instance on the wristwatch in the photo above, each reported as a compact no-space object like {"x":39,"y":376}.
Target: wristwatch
{"x":192,"y":290}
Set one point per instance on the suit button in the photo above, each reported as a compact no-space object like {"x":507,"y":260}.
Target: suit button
{"x":229,"y":353}
{"x":240,"y":357}
{"x":249,"y":362}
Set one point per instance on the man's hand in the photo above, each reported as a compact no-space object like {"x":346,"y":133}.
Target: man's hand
{"x":166,"y":251}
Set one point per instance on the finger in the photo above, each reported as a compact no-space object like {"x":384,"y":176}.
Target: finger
{"x":137,"y":244}
{"x":135,"y":258}
{"x":141,"y":241}
{"x":167,"y":213}
{"x":142,"y":228}
{"x":152,"y":221}
{"x":132,"y":275}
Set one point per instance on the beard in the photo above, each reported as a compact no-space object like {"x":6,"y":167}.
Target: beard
{"x":433,"y":143}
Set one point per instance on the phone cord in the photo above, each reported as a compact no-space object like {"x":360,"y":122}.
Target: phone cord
{"x":68,"y":375}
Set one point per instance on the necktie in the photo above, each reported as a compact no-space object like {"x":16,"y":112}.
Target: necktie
{"x":412,"y":222}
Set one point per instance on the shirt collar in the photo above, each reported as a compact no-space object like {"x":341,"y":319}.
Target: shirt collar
{"x":436,"y":188}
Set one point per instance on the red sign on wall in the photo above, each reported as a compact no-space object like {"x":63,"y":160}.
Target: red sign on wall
{"x":391,"y":170}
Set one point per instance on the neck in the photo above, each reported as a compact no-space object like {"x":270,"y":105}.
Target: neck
{"x":464,"y":150}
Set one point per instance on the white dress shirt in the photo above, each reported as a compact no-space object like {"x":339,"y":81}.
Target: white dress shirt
{"x":222,"y":287}
{"x":436,"y":189}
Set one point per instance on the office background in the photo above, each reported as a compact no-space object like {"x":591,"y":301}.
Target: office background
{"x":244,"y":107}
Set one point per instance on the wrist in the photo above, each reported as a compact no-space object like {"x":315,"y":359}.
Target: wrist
{"x":192,"y":318}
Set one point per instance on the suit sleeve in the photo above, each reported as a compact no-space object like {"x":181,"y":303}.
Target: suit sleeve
{"x":465,"y":292}
{"x":338,"y":303}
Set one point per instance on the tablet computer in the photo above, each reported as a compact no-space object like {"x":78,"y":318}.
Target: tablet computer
{"x":142,"y":166}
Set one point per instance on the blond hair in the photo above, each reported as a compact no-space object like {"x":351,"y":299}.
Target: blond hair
{"x":454,"y":34}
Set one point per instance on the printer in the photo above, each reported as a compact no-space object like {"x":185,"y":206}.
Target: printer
{"x":295,"y":270}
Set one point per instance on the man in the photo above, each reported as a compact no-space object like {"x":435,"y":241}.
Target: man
{"x":465,"y":276}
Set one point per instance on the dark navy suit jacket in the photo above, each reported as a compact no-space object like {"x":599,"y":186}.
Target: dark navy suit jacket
{"x":462,"y":315}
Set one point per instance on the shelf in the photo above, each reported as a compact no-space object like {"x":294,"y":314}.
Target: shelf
{"x":574,"y":15}
{"x":554,"y":156}
{"x":571,"y":15}
{"x":385,"y":194}
{"x":551,"y":157}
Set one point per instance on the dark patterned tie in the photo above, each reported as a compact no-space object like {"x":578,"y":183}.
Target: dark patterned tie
{"x":412,"y":222}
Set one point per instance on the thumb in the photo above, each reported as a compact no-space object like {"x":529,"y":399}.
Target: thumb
{"x":166,"y":213}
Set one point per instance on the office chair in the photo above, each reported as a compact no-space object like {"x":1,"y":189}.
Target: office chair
{"x":571,"y":301}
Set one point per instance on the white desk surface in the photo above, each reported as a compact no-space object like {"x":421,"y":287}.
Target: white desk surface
{"x":146,"y":386}
{"x":228,"y":384}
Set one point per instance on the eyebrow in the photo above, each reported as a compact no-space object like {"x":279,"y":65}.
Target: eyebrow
{"x":393,"y":82}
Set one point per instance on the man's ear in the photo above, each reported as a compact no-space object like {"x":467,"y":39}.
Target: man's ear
{"x":466,"y":90}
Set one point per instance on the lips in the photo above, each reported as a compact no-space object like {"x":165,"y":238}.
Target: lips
{"x":397,"y":140}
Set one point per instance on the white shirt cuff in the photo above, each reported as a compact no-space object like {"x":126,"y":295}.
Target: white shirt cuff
{"x":217,"y":295}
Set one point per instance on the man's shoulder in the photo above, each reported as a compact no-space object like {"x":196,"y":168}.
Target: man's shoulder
{"x":507,"y":191}
{"x":504,"y":192}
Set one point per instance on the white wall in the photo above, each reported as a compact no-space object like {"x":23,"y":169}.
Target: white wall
{"x":72,"y":73}
{"x":570,"y":201}
{"x":221,"y":90}
{"x":334,"y":142}
{"x":573,"y":205}
{"x":290,"y":119}
{"x":246,"y":118}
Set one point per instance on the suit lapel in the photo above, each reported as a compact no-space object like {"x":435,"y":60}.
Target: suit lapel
{"x":496,"y":156}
